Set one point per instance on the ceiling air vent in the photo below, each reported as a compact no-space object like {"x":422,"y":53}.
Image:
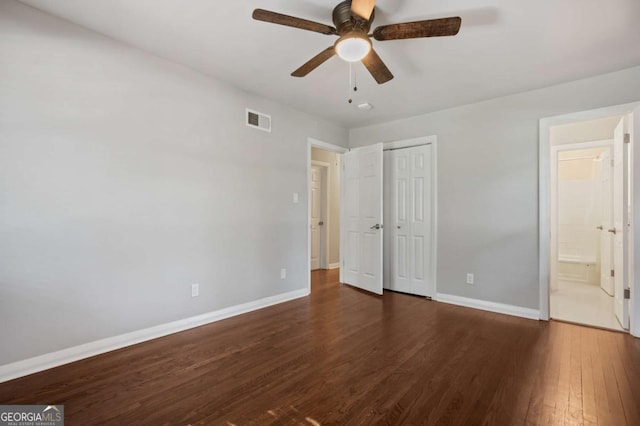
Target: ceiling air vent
{"x":258,"y":120}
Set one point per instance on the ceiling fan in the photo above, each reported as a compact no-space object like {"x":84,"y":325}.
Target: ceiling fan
{"x":352,"y":20}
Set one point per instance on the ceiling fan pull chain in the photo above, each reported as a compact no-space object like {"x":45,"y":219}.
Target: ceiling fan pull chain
{"x":349,"y":88}
{"x":355,"y":80}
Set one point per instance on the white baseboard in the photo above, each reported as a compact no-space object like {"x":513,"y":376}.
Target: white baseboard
{"x":76,"y":353}
{"x":334,"y":265}
{"x":500,"y":308}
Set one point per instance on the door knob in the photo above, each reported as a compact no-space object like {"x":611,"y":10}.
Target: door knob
{"x":599,"y":227}
{"x":399,"y":227}
{"x":376,"y":226}
{"x":320,"y":223}
{"x":612,"y":230}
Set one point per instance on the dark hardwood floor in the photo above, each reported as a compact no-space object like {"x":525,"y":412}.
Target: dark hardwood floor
{"x":345,"y":357}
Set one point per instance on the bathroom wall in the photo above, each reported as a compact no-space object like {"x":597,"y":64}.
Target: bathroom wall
{"x":579,"y":213}
{"x":585,"y":131}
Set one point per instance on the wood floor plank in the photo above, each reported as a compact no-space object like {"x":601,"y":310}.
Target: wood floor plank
{"x":630,"y":405}
{"x":589,"y":406}
{"x":342,"y":356}
{"x":600,"y":390}
{"x":629,"y":369}
{"x":575,"y":407}
{"x":607,"y":361}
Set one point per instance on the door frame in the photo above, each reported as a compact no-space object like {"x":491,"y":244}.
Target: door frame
{"x":315,"y":143}
{"x":325,"y":208}
{"x":544,"y":156}
{"x":433,"y":141}
{"x":554,"y":202}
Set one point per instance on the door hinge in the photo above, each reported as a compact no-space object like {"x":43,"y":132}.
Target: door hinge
{"x":612,"y":163}
{"x":627,"y":138}
{"x":613,"y":273}
{"x":627,"y":293}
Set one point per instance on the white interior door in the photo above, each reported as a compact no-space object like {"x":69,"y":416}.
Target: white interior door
{"x":606,"y":238}
{"x":408,"y":236}
{"x":316,"y":216}
{"x":620,"y":229}
{"x":361,"y":218}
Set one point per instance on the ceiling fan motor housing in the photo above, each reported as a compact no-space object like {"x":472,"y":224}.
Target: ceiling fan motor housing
{"x":346,"y":22}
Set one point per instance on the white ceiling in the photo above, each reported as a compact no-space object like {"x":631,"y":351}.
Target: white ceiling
{"x":504,"y":46}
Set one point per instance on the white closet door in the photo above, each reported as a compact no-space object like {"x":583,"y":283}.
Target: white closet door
{"x":408,"y":210}
{"x":361,"y":218}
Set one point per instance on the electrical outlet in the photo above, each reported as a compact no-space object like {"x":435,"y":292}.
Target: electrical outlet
{"x":470,"y":278}
{"x":195,"y":290}
{"x":296,"y":198}
{"x":283,"y":273}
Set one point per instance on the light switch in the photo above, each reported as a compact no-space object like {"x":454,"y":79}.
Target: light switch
{"x":296,"y":198}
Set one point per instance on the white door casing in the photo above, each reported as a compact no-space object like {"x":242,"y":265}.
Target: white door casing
{"x":316,"y":219}
{"x":606,"y":240}
{"x":408,"y":208}
{"x":361,"y":218}
{"x":620,"y":220}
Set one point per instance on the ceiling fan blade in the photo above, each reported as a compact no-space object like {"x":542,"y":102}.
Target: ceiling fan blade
{"x":292,"y":21}
{"x":376,"y":67}
{"x":429,"y":28}
{"x":315,"y":62}
{"x":363,"y":8}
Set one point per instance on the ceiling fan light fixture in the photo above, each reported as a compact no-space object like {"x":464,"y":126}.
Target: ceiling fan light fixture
{"x":353,"y":47}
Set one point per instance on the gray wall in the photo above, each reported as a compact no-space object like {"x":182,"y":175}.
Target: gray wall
{"x":333,"y":159}
{"x":488,"y":181}
{"x":124,"y":178}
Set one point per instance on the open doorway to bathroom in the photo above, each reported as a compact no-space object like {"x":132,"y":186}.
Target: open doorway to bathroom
{"x":585,"y":200}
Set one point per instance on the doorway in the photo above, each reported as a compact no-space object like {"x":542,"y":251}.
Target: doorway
{"x":324,"y":180}
{"x":582,"y":287}
{"x":586,"y":164}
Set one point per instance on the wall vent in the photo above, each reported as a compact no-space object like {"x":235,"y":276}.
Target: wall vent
{"x":258,"y":120}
